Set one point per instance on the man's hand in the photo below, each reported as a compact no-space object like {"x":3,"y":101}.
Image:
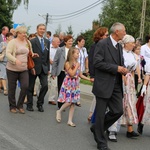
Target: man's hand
{"x":33,"y":72}
{"x":53,"y":77}
{"x":51,"y":62}
{"x":122,"y":70}
{"x":35,"y":55}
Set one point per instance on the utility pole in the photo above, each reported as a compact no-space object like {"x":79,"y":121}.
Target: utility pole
{"x":143,"y":19}
{"x":46,"y":22}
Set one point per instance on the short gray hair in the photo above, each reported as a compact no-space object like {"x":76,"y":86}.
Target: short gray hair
{"x":127,"y":39}
{"x":116,"y":26}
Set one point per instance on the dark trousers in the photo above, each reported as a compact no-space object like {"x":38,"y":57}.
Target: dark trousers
{"x":136,"y":82}
{"x":60,"y":80}
{"x":43,"y":90}
{"x":103,"y":120}
{"x":13,"y":77}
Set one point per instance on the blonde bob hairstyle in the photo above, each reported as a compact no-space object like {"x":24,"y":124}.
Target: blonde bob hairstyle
{"x":21,"y":29}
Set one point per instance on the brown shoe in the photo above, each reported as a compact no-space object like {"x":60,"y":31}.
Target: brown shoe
{"x":52,"y":102}
{"x":21,"y":110}
{"x":13,"y":110}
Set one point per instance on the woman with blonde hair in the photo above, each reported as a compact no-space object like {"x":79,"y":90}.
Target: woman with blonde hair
{"x":17,"y":53}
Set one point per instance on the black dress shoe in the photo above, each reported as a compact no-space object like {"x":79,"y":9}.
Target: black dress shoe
{"x":140,"y":128}
{"x":30,"y":108}
{"x":112,"y":136}
{"x":103,"y":148}
{"x":132,"y":134}
{"x":93,"y":131}
{"x":40,"y":108}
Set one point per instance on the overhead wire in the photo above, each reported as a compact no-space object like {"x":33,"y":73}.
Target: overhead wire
{"x":77,"y":10}
{"x":73,"y":14}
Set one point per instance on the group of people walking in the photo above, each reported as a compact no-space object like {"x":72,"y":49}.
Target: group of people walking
{"x":115,"y":66}
{"x":49,"y":62}
{"x":119,"y":67}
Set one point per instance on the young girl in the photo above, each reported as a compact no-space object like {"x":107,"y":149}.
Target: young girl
{"x":70,"y":92}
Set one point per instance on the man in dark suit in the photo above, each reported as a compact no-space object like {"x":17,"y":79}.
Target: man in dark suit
{"x":109,"y":68}
{"x":40,"y":45}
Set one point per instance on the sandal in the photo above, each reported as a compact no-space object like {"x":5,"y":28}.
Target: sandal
{"x":78,"y":104}
{"x":71,"y":124}
{"x":58,"y":116}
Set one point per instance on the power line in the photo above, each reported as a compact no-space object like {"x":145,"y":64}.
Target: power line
{"x":78,"y":12}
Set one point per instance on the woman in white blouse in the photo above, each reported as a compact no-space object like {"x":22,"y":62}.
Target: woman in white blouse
{"x":129,"y":101}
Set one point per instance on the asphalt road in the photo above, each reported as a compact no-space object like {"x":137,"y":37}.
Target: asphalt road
{"x":40,"y":131}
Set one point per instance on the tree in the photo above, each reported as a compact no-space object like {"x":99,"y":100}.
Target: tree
{"x":7,"y":8}
{"x":126,"y":12}
{"x":58,"y":30}
{"x":69,"y":31}
{"x":88,"y":35}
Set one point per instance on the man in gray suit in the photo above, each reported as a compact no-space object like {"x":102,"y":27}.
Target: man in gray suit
{"x":58,"y":68}
{"x":109,"y":68}
{"x":5,"y":30}
{"x":41,"y":46}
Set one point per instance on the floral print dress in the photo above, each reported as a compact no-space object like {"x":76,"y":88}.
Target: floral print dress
{"x":146,"y":103}
{"x":70,"y":91}
{"x":129,"y":99}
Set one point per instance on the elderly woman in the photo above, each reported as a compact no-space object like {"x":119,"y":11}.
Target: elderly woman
{"x":3,"y":76}
{"x":17,"y":53}
{"x":129,"y":101}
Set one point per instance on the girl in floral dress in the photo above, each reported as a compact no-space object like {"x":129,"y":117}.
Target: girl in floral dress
{"x":70,"y":92}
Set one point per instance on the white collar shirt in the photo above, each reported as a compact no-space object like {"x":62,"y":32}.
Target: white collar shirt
{"x":113,"y":41}
{"x":82,"y":56}
{"x":52,"y":54}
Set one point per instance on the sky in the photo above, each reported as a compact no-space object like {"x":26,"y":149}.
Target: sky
{"x":38,"y":9}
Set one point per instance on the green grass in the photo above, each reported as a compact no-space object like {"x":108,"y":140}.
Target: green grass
{"x":86,"y":82}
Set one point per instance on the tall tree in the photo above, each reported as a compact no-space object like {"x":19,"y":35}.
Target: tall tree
{"x":7,"y":8}
{"x":69,"y":31}
{"x":127,"y":12}
{"x":88,"y":35}
{"x":58,"y":30}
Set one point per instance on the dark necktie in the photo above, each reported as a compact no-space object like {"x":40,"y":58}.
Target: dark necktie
{"x":42,"y":45}
{"x":117,"y":46}
{"x":117,"y":53}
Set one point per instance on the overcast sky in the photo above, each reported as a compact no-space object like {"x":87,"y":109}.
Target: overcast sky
{"x":79,"y":23}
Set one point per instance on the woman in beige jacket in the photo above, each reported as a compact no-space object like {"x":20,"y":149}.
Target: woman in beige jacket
{"x":17,"y":53}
